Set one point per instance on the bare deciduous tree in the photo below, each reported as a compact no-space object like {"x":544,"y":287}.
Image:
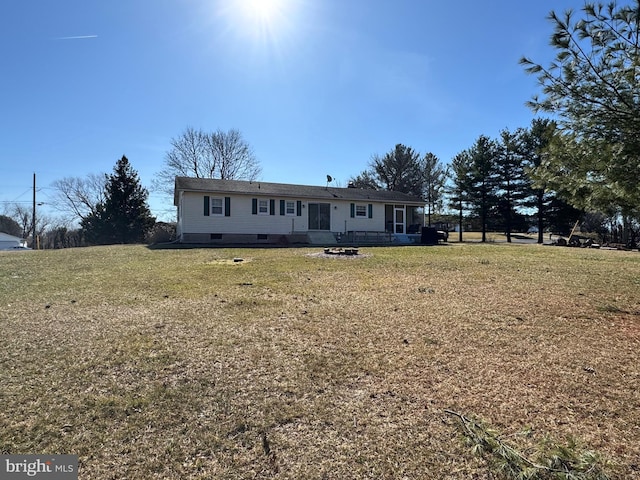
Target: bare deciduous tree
{"x":196,"y":153}
{"x":232,"y":156}
{"x":189,"y":155}
{"x":23,"y":216}
{"x":78,"y":197}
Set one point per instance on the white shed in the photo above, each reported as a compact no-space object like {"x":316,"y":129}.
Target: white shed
{"x":9,"y":242}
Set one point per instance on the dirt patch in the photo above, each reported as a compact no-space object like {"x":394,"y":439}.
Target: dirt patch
{"x":228,"y":261}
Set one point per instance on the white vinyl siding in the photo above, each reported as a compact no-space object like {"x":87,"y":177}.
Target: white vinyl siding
{"x":241,"y":220}
{"x":372,"y":221}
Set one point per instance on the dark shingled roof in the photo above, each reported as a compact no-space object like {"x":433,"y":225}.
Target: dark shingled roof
{"x":287,"y":190}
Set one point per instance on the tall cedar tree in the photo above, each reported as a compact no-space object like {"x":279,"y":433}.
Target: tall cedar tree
{"x":483,"y":179}
{"x":124,"y":217}
{"x":512,"y":183}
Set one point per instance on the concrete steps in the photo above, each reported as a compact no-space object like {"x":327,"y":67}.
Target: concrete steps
{"x":321,"y":238}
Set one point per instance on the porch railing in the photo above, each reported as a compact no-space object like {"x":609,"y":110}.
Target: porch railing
{"x":364,"y":237}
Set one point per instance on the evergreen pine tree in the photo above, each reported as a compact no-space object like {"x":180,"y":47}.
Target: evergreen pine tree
{"x":591,"y":86}
{"x":435,"y":177}
{"x":124,"y":217}
{"x":483,"y":174}
{"x":460,"y":187}
{"x":533,"y":147}
{"x":513,"y":185}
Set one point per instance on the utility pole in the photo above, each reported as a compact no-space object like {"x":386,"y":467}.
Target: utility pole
{"x":34,"y":245}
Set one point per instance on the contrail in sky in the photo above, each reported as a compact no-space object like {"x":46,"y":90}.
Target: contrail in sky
{"x":77,"y":37}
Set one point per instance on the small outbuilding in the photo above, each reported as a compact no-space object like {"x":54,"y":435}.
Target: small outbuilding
{"x":9,"y":242}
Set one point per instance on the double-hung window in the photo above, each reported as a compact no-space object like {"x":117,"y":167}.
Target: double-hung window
{"x":217,"y":206}
{"x":290,"y":207}
{"x":362,"y":211}
{"x":263,"y":207}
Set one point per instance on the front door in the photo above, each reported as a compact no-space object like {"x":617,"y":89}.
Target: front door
{"x":398,"y":220}
{"x":319,"y":216}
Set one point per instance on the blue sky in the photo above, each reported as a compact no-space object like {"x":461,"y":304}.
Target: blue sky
{"x":315,"y":86}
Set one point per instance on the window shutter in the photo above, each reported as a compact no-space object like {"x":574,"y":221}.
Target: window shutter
{"x":370,"y":210}
{"x":207,"y":208}
{"x":281,"y":207}
{"x":227,"y":206}
{"x":254,"y":206}
{"x":272,"y":207}
{"x":299,"y":208}
{"x":353,"y":210}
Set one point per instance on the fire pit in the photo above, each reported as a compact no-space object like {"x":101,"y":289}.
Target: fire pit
{"x":341,"y":251}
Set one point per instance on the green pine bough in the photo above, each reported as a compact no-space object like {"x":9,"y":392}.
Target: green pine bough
{"x":550,"y":462}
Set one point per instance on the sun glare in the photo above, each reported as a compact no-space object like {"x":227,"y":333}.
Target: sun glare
{"x":270,"y":24}
{"x":264,"y":13}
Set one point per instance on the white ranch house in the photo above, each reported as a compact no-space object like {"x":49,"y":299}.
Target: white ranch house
{"x":244,"y":212}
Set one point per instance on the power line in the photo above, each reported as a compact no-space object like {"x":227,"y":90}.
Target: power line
{"x":23,"y":193}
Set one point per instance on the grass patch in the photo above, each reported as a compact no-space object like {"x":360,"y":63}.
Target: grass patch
{"x":185,"y":364}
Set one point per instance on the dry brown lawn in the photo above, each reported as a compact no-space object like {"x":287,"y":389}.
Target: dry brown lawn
{"x":182,"y":364}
